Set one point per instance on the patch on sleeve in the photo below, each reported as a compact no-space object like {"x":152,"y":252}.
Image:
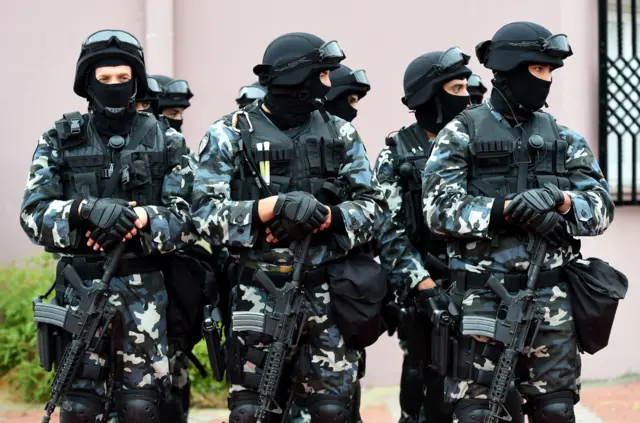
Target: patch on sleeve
{"x":203,"y":145}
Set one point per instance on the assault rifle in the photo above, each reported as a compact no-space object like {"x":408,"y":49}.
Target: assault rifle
{"x":518,"y":321}
{"x":93,"y":315}
{"x":284,"y":324}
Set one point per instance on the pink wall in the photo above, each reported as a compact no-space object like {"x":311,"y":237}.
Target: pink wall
{"x":215,"y":46}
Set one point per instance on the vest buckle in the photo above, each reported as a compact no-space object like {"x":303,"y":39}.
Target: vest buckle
{"x":74,"y":125}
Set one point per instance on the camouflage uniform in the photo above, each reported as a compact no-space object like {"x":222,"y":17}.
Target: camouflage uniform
{"x":400,"y":257}
{"x":324,"y":366}
{"x":140,"y":299}
{"x":553,"y":364}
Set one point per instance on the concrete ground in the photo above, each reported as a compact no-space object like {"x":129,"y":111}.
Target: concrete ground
{"x":607,"y":402}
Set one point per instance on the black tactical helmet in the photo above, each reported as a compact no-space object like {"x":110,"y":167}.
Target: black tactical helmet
{"x":520,"y":43}
{"x":426,"y":74}
{"x":346,"y":81}
{"x":175,"y":92}
{"x":105,"y":44}
{"x":154,"y":90}
{"x":291,"y":58}
{"x":250,"y":93}
{"x":476,"y":88}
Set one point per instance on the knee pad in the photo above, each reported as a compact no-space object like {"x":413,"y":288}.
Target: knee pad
{"x":172,"y":410}
{"x":138,"y":405}
{"x":556,"y":407}
{"x":243,"y":406}
{"x":471,"y":411}
{"x":84,"y":408}
{"x":329,"y":409}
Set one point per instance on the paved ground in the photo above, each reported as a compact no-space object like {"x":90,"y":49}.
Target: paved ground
{"x":615,"y":402}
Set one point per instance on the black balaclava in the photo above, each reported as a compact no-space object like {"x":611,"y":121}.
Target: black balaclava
{"x":290,"y":106}
{"x":341,"y":107}
{"x":175,"y":123}
{"x":440,"y":110}
{"x":116,"y":96}
{"x":524,"y":92}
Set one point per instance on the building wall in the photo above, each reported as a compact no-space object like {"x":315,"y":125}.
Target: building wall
{"x":215,"y":46}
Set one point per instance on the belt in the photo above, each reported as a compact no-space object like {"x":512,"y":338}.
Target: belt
{"x":513,"y":282}
{"x":94,"y":269}
{"x":310,"y":277}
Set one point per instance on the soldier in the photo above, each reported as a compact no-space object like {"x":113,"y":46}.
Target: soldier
{"x":316,"y":167}
{"x":85,"y":171}
{"x":174,"y":100}
{"x":148,"y":102}
{"x":504,"y":173}
{"x":347,"y":89}
{"x":250,"y":93}
{"x":476,"y":89}
{"x":435,"y":87}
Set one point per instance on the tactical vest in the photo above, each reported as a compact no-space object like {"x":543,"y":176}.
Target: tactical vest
{"x":305,"y":159}
{"x":411,"y":149}
{"x":87,"y":163}
{"x":504,"y":161}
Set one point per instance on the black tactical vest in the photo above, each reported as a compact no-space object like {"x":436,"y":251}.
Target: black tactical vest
{"x":504,"y":161}
{"x":411,"y":149}
{"x":307,"y":158}
{"x":87,"y":163}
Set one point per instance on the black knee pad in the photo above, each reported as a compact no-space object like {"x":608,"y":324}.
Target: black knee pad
{"x":471,"y":411}
{"x":84,"y":408}
{"x":172,"y":410}
{"x":552,"y":408}
{"x":329,"y":409}
{"x":138,"y":405}
{"x":243,"y":406}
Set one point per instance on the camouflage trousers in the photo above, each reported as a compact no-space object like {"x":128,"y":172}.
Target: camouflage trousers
{"x":138,"y":336}
{"x":300,"y":412}
{"x":552,"y":364}
{"x":323,"y":364}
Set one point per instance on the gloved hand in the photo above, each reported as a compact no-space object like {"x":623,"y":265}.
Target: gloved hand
{"x":437,"y":293}
{"x":111,"y":220}
{"x":277,"y":229}
{"x":551,"y":226}
{"x":533,"y":203}
{"x":301,"y":209}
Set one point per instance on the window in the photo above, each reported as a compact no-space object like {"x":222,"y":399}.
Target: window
{"x":620,"y":98}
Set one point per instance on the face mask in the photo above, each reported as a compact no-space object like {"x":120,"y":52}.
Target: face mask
{"x":175,"y":124}
{"x":452,"y":105}
{"x":528,"y":91}
{"x":340,"y":107}
{"x":113,"y":97}
{"x":449,"y":107}
{"x":116,"y":109}
{"x":291,"y":106}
